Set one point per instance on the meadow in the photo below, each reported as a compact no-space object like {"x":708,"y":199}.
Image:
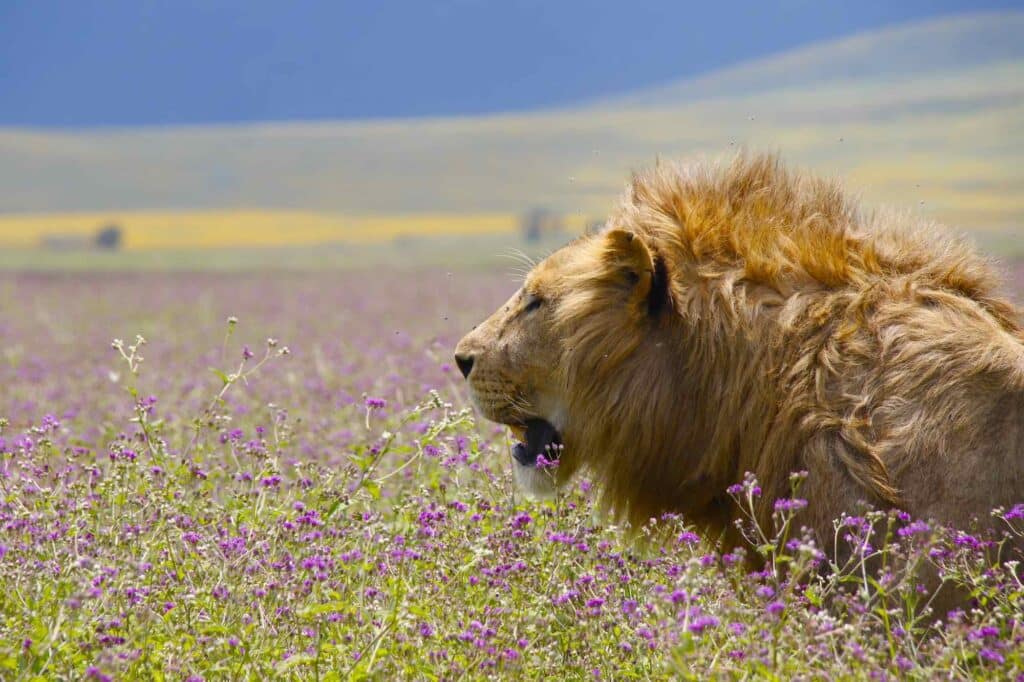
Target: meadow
{"x":276,"y":475}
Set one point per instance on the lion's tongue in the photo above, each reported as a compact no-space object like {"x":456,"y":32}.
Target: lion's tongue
{"x":534,"y":440}
{"x":519,"y":432}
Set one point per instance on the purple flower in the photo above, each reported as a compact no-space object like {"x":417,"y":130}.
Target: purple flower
{"x":702,"y":623}
{"x":915,"y":528}
{"x":687,"y":538}
{"x":564,"y":597}
{"x":94,"y":673}
{"x":786,"y":504}
{"x":984,"y":632}
{"x":543,"y":462}
{"x":376,"y":403}
{"x":731,"y":558}
{"x":964,"y":540}
{"x":147,"y":404}
{"x":775,"y":608}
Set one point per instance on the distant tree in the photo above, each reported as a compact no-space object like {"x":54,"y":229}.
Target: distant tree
{"x":109,"y":237}
{"x":538,"y":222}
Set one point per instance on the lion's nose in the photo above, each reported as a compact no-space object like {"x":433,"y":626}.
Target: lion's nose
{"x":465,"y":363}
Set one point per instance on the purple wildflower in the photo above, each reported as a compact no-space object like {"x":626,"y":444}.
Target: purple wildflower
{"x":702,"y":623}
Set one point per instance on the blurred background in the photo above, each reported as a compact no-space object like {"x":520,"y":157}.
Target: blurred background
{"x":235,"y":134}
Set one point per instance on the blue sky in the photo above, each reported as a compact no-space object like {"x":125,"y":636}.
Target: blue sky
{"x":85,"y":63}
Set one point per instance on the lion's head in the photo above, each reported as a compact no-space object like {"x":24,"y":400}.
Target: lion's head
{"x":737,"y":318}
{"x":560,"y":361}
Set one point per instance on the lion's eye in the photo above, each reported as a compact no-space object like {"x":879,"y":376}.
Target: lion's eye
{"x":535,"y":302}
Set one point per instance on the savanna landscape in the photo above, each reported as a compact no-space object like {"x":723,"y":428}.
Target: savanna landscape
{"x":278,"y":475}
{"x":234,"y":441}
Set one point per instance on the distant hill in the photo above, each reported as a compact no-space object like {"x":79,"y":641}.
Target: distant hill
{"x":885,"y":57}
{"x":195,"y":62}
{"x":928,"y":116}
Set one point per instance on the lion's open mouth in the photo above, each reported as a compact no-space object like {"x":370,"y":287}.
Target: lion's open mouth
{"x":536,"y":437}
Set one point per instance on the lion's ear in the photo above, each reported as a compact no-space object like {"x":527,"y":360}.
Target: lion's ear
{"x":631,"y":263}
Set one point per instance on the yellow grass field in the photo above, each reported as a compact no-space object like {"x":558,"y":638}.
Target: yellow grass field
{"x":213,"y":229}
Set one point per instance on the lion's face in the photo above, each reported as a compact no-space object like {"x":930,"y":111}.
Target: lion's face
{"x":511,"y":362}
{"x":534,"y":362}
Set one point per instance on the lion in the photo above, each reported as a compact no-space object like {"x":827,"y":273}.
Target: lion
{"x":742,"y":317}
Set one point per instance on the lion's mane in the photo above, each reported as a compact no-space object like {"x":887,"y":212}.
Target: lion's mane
{"x":794,"y":332}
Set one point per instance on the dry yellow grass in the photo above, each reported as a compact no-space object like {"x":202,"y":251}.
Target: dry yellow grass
{"x":210,"y":229}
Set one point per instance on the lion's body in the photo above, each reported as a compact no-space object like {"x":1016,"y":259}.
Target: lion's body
{"x":875,"y":354}
{"x":794,"y":334}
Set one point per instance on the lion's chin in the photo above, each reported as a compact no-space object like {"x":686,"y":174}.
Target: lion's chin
{"x":535,"y":482}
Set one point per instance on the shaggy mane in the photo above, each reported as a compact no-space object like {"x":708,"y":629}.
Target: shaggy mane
{"x":792,"y":232}
{"x":775,"y":348}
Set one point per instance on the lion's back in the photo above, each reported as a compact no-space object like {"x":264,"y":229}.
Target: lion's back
{"x":919,"y":388}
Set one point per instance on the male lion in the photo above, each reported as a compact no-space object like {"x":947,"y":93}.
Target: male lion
{"x":742,"y":317}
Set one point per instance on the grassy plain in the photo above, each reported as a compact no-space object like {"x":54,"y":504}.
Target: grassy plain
{"x":208,"y":504}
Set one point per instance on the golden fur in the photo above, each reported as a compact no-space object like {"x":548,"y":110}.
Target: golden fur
{"x":742,"y":317}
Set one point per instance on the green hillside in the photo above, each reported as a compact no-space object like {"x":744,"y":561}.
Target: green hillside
{"x":928,"y":116}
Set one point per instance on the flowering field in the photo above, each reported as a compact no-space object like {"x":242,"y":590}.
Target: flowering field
{"x":256,"y":476}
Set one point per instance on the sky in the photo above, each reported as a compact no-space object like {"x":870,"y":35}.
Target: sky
{"x":113,"y":63}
